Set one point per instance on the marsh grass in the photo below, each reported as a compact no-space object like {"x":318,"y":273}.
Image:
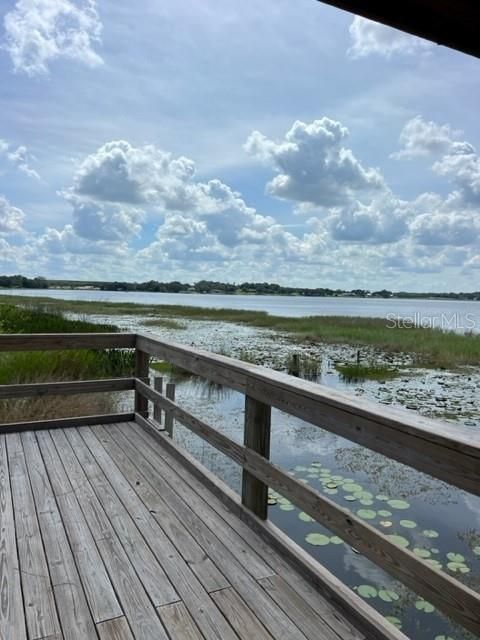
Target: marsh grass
{"x":361,"y":372}
{"x":429,"y":347}
{"x":23,"y":367}
{"x":165,"y":323}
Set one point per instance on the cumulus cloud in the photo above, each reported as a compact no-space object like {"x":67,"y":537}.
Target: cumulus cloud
{"x":67,"y":240}
{"x":313,"y":165}
{"x":120,"y":172}
{"x":421,"y":138}
{"x":19,"y":157}
{"x":372,"y":38}
{"x":40,"y":31}
{"x":11,"y":218}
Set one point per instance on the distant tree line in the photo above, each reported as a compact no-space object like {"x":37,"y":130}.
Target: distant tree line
{"x":210,"y":286}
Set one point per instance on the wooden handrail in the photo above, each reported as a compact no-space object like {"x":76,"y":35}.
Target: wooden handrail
{"x":38,"y":389}
{"x":450,"y":453}
{"x":449,"y":595}
{"x":61,"y":341}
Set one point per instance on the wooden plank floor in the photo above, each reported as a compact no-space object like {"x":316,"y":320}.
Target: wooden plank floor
{"x":103,"y":535}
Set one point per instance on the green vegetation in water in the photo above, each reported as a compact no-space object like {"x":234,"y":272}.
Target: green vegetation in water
{"x":360,"y":372}
{"x":431,"y":347}
{"x":23,"y":367}
{"x":165,"y":323}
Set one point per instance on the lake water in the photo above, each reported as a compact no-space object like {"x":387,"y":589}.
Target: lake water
{"x":457,"y":315}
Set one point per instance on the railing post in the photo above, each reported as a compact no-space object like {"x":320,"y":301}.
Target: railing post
{"x":158,"y":386}
{"x":170,"y":393}
{"x":257,"y":438}
{"x":142,"y":361}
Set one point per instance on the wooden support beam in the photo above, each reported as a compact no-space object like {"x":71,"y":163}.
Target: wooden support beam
{"x":142,"y":362}
{"x":256,"y":437}
{"x":63,"y":423}
{"x":158,"y":386}
{"x":8,"y":391}
{"x":170,"y":393}
{"x":61,"y":341}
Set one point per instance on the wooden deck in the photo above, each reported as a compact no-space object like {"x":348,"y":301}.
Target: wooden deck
{"x":104,"y":535}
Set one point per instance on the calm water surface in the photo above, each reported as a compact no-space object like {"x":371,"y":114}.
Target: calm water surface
{"x":457,"y":315}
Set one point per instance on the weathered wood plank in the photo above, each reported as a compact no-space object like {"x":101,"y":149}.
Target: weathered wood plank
{"x":178,"y":622}
{"x":132,"y":467}
{"x":116,"y":629}
{"x":61,"y":341}
{"x":208,"y":617}
{"x":170,"y":394}
{"x":40,"y":389}
{"x":62,"y":423}
{"x":96,"y":583}
{"x":257,"y":437}
{"x":312,"y":624}
{"x":196,"y":514}
{"x":12,"y":615}
{"x":158,"y":386}
{"x":142,"y":361}
{"x":451,"y":453}
{"x":216,"y":546}
{"x":40,"y":610}
{"x":241,"y":617}
{"x":449,"y":595}
{"x":73,"y":610}
{"x":138,"y":609}
{"x":149,"y":570}
{"x":207,"y":486}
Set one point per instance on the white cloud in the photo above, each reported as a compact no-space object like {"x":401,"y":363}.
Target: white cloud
{"x":420,"y":138}
{"x":11,"y":218}
{"x":40,"y":31}
{"x":67,"y":240}
{"x":370,"y":37}
{"x":19,"y":157}
{"x":461,"y":165}
{"x":313,"y":165}
{"x":101,"y":221}
{"x":120,"y":172}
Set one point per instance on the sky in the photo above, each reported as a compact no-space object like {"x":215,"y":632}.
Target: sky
{"x":282,"y":141}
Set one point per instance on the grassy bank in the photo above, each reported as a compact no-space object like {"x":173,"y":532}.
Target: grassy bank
{"x":37,"y":366}
{"x":430,"y":347}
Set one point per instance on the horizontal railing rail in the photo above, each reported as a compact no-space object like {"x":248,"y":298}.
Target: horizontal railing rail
{"x":450,"y":453}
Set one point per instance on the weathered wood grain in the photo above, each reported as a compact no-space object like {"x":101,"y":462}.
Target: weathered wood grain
{"x":245,"y":623}
{"x":95,"y":580}
{"x":170,"y":394}
{"x":62,"y":423}
{"x":61,"y":341}
{"x":256,"y":437}
{"x":12,"y":615}
{"x":40,"y":609}
{"x":136,"y":604}
{"x":115,"y":629}
{"x":142,"y":362}
{"x":178,"y":622}
{"x":73,"y":611}
{"x":40,"y":389}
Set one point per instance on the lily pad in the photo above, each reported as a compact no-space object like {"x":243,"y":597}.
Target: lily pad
{"x":408,"y":524}
{"x":388,"y":596}
{"x":458,"y":567}
{"x":337,"y":478}
{"x":350,"y":498}
{"x":366,"y":514}
{"x":352,"y":488}
{"x":382,"y":498}
{"x":317,"y":539}
{"x":384,"y":513}
{"x":367,"y":591}
{"x":300,"y":468}
{"x":305,"y":517}
{"x":434,"y":563}
{"x":443,"y":638}
{"x":272,"y":502}
{"x":316,"y":464}
{"x":399,"y":504}
{"x":336,"y":540}
{"x":386,"y":523}
{"x":455,"y":557}
{"x":287,"y":507}
{"x":399,"y":540}
{"x":395,"y":621}
{"x":330,"y":491}
{"x":422,"y":553}
{"x":476,"y":551}
{"x":430,"y":533}
{"x":366,"y":502}
{"x":332,"y":485}
{"x":423,"y":605}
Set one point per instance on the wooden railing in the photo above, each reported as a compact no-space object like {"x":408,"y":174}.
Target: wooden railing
{"x":450,"y":453}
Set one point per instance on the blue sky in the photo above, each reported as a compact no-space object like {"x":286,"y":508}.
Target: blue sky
{"x":282,"y":141}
